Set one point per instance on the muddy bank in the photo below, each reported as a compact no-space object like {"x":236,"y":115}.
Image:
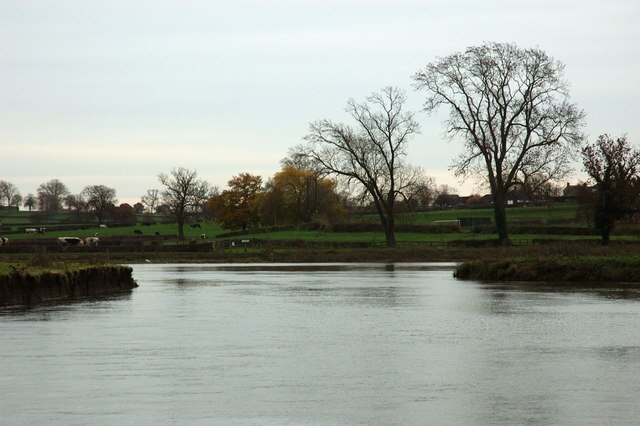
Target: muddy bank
{"x":22,"y":287}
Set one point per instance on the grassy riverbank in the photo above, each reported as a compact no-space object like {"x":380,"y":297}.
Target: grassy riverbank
{"x":604,"y":268}
{"x":559,"y":261}
{"x":401,"y":253}
{"x":42,"y":277}
{"x":26,"y":286}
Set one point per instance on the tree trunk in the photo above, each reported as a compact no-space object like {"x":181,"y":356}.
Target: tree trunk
{"x":180,"y":229}
{"x":500,"y":211}
{"x":389,"y":231}
{"x":390,"y":237}
{"x":603,"y":218}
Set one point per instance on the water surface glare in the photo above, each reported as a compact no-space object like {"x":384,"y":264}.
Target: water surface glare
{"x":324,"y":344}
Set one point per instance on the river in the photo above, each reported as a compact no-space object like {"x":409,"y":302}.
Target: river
{"x":331,"y":344}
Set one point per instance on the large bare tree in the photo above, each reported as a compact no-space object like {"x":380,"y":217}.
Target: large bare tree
{"x":184,"y":193}
{"x":372,"y":153}
{"x":9,"y":194}
{"x":510,"y":107}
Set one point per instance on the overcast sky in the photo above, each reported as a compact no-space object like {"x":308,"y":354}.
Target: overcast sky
{"x":115,"y":92}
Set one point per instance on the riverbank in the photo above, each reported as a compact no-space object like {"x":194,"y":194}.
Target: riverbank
{"x":24,"y":285}
{"x":565,"y":261}
{"x":312,"y":254}
{"x":553,"y":269}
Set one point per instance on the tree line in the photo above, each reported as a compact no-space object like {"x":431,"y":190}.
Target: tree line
{"x":508,"y":107}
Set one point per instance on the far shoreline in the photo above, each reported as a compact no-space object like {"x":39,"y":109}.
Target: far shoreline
{"x":542,"y":262}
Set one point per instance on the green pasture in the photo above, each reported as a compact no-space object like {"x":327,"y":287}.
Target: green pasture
{"x":416,"y":237}
{"x":554,"y":214}
{"x":25,"y":218}
{"x":559,"y":213}
{"x":210,"y":229}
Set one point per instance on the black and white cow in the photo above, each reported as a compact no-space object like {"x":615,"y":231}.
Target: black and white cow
{"x":91,"y":241}
{"x":70,"y":241}
{"x":3,"y":241}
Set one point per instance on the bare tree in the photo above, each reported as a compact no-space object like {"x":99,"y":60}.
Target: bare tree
{"x":30,"y":201}
{"x":371,"y":154}
{"x":445,"y":189}
{"x":150,"y":200}
{"x":614,"y":165}
{"x":9,"y":194}
{"x":421,"y":194}
{"x":101,"y":199}
{"x":51,"y":194}
{"x":78,"y":206}
{"x":539,"y":175}
{"x":184,"y":193}
{"x":510,"y":106}
{"x":296,"y":157}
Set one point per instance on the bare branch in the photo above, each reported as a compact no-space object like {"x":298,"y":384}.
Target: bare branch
{"x":510,"y":108}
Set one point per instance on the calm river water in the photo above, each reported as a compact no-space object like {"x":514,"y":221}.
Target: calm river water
{"x":366,"y":344}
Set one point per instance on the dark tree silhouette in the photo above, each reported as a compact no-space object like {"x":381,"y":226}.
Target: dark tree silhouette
{"x":184,"y":193}
{"x":613,"y":164}
{"x":100,"y":199}
{"x":510,"y":107}
{"x":371,"y":154}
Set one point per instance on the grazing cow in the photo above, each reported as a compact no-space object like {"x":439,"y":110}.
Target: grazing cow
{"x":30,"y":230}
{"x":137,"y":232}
{"x":70,"y":241}
{"x":3,"y":241}
{"x":195,"y":225}
{"x":42,"y":230}
{"x":103,"y":225}
{"x":91,"y":241}
{"x":203,"y":236}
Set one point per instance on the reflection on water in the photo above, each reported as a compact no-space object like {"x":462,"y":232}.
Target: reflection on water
{"x":606,"y":290}
{"x":51,"y":309}
{"x":324,"y":344}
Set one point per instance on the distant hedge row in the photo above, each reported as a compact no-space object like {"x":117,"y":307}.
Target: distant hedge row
{"x":373,"y":227}
{"x":542,"y":230}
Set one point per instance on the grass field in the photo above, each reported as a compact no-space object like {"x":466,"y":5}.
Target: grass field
{"x":544,"y":215}
{"x":554,"y":215}
{"x":416,"y":237}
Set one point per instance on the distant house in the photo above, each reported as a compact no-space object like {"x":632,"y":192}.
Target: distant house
{"x":517,"y":198}
{"x":486,"y":200}
{"x":576,"y":192}
{"x":444,"y":201}
{"x":572,"y":191}
{"x":464,"y":199}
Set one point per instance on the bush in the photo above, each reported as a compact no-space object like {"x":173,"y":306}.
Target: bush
{"x":41,"y":259}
